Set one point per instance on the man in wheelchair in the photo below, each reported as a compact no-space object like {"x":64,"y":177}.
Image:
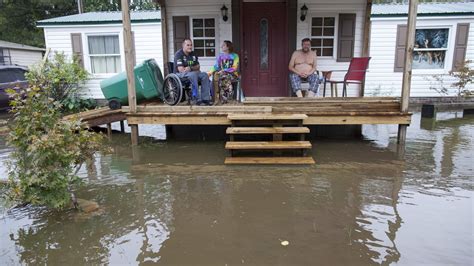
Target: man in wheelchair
{"x":187,"y":67}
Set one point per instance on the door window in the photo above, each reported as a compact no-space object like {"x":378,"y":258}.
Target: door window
{"x":263,"y":43}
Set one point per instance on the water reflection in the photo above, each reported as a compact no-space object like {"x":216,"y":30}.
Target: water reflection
{"x":359,"y":205}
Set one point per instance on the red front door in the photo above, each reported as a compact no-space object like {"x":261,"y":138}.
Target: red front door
{"x":264,"y":59}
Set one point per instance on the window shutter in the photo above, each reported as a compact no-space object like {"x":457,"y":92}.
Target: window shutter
{"x":460,"y":45}
{"x":400,"y":48}
{"x":180,"y":31}
{"x":133,"y":50}
{"x":76,"y":41}
{"x":346,"y":36}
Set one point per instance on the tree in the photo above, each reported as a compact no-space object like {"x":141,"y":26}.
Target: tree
{"x":18,"y":17}
{"x":48,"y":149}
{"x":116,"y":5}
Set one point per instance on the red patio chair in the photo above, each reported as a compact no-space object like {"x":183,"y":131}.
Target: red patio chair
{"x":355,"y":75}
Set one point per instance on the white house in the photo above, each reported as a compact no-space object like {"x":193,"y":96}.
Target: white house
{"x":444,"y":38}
{"x":97,"y":39}
{"x":265,"y":33}
{"x":19,"y":54}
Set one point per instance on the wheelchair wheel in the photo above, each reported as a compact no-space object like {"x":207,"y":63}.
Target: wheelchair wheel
{"x":115,"y":104}
{"x":172,"y":89}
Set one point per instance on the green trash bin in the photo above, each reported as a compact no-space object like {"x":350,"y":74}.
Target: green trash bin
{"x":148,"y":85}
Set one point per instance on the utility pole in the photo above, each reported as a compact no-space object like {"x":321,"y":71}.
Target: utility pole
{"x":80,"y":6}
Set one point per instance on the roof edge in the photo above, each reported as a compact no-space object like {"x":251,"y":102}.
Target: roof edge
{"x":95,"y":22}
{"x":423,"y":15}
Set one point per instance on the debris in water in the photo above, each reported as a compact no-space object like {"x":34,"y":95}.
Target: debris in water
{"x":285,"y":243}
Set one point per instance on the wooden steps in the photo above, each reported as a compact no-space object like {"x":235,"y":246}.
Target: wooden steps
{"x":266,"y":116}
{"x":267,"y":145}
{"x":269,"y":160}
{"x":260,"y":126}
{"x":267,"y":130}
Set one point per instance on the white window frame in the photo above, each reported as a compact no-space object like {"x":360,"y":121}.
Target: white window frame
{"x":448,"y":59}
{"x":216,"y":34}
{"x":336,"y":29}
{"x":6,"y":56}
{"x":88,"y":55}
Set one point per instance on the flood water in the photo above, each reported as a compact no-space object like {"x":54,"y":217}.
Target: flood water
{"x":175,"y":203}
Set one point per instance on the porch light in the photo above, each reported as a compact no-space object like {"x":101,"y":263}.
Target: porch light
{"x":304,"y":11}
{"x":224,"y":13}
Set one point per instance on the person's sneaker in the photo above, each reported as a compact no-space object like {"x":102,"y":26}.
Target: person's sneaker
{"x":204,"y":103}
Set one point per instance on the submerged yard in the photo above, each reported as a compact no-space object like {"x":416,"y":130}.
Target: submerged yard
{"x":177,"y":204}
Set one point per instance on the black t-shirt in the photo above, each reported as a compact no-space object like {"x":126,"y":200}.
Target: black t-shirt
{"x":181,"y":59}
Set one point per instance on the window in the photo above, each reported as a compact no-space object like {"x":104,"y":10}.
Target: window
{"x":430,"y":48}
{"x":5,"y":58}
{"x":204,"y":36}
{"x":104,"y":52}
{"x":264,"y":43}
{"x":322,"y":35}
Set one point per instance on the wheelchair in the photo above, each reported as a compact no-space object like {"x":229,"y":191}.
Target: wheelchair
{"x":176,"y":89}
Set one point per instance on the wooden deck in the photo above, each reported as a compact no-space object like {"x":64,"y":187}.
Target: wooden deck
{"x":262,"y":116}
{"x":320,"y":111}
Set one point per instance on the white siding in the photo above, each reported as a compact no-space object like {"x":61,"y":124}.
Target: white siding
{"x":24,"y":57}
{"x":147,"y":45}
{"x":333,"y":8}
{"x":381,"y":78}
{"x":202,"y":9}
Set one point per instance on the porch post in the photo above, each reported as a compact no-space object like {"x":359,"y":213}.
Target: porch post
{"x":128,"y":47}
{"x":402,"y":129}
{"x":164,"y":35}
{"x":236,"y":14}
{"x":366,"y":41}
{"x":292,"y":20}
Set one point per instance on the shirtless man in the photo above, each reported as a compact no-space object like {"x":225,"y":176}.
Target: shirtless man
{"x":303,"y":66}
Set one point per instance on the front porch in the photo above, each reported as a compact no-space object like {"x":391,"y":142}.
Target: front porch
{"x":320,"y":111}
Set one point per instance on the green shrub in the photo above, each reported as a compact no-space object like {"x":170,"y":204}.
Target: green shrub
{"x":461,"y":77}
{"x":61,"y":77}
{"x":76,"y":104}
{"x":48,"y":149}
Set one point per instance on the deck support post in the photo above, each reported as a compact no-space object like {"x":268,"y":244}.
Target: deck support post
{"x":109,"y":130}
{"x":128,"y":47}
{"x":122,"y":126}
{"x":134,"y":131}
{"x":407,"y":70}
{"x":402,"y":135}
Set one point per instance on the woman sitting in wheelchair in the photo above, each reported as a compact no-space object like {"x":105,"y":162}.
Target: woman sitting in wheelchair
{"x":225,"y":72}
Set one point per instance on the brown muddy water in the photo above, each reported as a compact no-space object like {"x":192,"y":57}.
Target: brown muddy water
{"x":175,"y":203}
